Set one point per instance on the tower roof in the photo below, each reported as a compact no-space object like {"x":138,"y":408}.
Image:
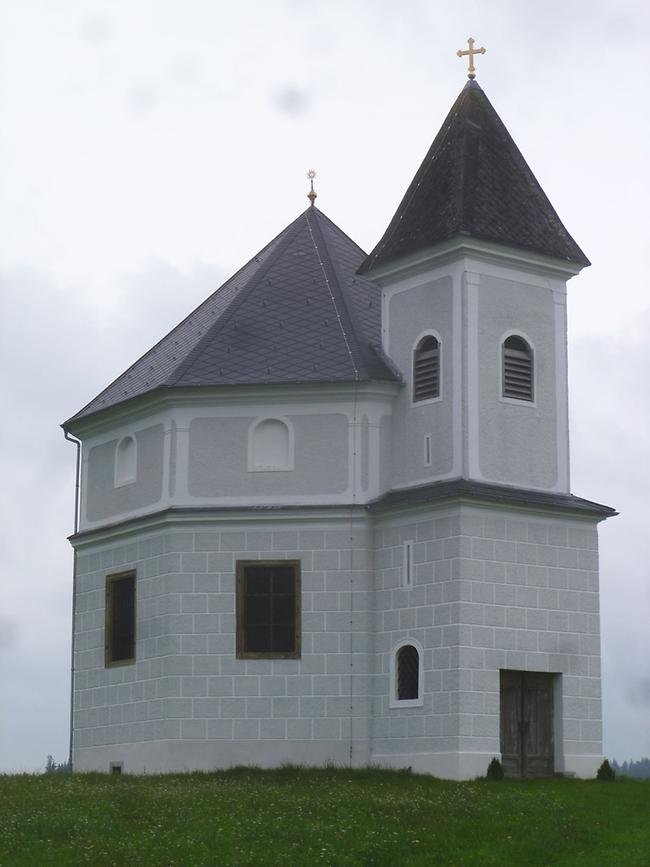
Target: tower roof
{"x":296,"y":313}
{"x":474,"y":182}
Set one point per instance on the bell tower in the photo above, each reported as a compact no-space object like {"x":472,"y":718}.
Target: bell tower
{"x":473,"y":269}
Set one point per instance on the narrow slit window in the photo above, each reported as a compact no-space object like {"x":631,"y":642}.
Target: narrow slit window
{"x":426,"y":369}
{"x":407,"y":567}
{"x":517,"y":369}
{"x":408,"y":673}
{"x":427,"y":450}
{"x":119,"y":642}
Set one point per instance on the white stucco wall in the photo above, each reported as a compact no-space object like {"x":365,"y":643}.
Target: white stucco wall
{"x":421,"y":309}
{"x":472,"y":299}
{"x":197,"y":453}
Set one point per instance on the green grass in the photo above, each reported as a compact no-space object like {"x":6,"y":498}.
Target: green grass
{"x":309,"y":817}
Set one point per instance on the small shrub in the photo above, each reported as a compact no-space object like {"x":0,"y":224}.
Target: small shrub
{"x":606,"y":772}
{"x":494,"y":771}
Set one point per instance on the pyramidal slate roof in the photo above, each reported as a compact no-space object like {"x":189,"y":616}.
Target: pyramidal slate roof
{"x":474,"y":182}
{"x":296,"y":313}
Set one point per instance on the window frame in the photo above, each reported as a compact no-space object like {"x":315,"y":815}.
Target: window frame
{"x":426,"y":400}
{"x":394,"y":701}
{"x":517,"y":401}
{"x":111,"y":580}
{"x":240,"y":651}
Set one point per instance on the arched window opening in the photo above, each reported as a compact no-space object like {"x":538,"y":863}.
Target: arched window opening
{"x":426,"y":369}
{"x":271,"y":447}
{"x":125,"y":461}
{"x":517,"y":369}
{"x":408,"y":673}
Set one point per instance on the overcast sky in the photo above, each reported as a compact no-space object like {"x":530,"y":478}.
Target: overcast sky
{"x":149,"y":149}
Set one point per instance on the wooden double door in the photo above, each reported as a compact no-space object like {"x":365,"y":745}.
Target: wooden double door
{"x":527,"y":743}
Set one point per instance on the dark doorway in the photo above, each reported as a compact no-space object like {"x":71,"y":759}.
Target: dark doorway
{"x":527,"y":748}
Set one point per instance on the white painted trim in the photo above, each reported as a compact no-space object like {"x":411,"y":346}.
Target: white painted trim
{"x":428,"y":332}
{"x":121,"y":477}
{"x":220,"y":397}
{"x":394,"y":702}
{"x":486,"y":251}
{"x":472,"y":282}
{"x":254,"y":467}
{"x":407,"y":564}
{"x":457,"y":371}
{"x":161,"y":522}
{"x":561,"y":390}
{"x":517,"y":332}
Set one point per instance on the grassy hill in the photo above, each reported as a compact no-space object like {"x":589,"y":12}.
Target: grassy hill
{"x":310,"y":817}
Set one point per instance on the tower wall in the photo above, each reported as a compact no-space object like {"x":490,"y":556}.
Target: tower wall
{"x":494,"y":589}
{"x":473,"y":303}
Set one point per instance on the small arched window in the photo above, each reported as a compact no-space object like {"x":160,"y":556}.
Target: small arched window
{"x":426,"y":369}
{"x":517,"y":365}
{"x":125,"y":461}
{"x":271,"y":446}
{"x":408,"y":673}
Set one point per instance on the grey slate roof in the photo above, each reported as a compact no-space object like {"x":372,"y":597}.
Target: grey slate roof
{"x":296,"y":313}
{"x":484,"y":491}
{"x":474,"y":182}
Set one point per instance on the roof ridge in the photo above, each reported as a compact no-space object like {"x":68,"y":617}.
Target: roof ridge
{"x":289,"y":232}
{"x":364,"y":346}
{"x":338,"y":286}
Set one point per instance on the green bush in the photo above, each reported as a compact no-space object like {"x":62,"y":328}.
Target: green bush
{"x":494,"y":771}
{"x":606,"y":772}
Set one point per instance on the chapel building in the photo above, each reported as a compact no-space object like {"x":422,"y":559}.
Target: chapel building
{"x":328,"y":517}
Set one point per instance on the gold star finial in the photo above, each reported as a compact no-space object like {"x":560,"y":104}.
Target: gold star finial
{"x":471,"y":72}
{"x":311,"y":195}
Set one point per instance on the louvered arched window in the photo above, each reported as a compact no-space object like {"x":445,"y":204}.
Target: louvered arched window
{"x":426,"y":369}
{"x":517,"y":364}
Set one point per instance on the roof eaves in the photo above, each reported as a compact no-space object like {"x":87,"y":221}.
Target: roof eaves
{"x":461,"y":488}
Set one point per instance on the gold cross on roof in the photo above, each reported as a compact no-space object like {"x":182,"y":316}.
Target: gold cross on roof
{"x":471,"y":72}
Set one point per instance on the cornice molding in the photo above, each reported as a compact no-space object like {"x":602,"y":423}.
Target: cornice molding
{"x":465,"y":246}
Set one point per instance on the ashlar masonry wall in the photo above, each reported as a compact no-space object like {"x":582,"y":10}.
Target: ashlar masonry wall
{"x":188,"y":702}
{"x":493,"y":589}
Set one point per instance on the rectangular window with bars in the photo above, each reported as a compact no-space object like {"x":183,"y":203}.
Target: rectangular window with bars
{"x":119,"y":629}
{"x":268,"y":609}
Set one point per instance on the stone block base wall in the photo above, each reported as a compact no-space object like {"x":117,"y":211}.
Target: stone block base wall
{"x":187,"y":701}
{"x":492,"y":589}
